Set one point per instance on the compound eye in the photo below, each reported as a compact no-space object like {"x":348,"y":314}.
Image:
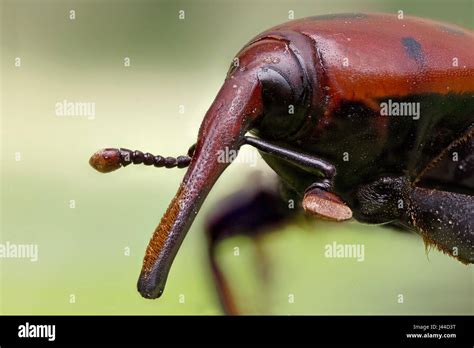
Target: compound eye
{"x":280,"y":103}
{"x":277,"y":91}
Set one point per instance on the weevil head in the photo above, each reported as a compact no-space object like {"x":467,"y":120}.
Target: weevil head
{"x":257,"y":90}
{"x":285,"y":85}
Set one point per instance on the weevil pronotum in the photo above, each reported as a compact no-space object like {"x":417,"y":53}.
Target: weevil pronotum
{"x":311,"y":91}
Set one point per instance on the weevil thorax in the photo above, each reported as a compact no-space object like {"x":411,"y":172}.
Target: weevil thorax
{"x":284,"y":85}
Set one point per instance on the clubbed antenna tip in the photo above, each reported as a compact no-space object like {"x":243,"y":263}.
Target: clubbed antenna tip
{"x":108,"y":160}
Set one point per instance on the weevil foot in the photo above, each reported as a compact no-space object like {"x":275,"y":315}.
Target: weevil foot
{"x":325,"y":205}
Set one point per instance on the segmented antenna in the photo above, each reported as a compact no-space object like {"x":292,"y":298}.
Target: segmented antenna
{"x":108,"y":160}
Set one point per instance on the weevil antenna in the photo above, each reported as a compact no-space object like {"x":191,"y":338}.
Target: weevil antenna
{"x":110,"y":159}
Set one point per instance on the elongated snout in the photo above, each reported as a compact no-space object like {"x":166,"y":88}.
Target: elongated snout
{"x":237,"y":105}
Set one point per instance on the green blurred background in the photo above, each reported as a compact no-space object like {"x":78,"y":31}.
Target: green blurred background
{"x":173,"y":62}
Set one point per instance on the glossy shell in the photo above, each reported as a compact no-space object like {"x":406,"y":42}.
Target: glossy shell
{"x":358,"y":62}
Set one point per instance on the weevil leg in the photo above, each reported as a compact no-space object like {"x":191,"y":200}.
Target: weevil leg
{"x":251,"y":212}
{"x":443,"y":199}
{"x":444,"y":219}
{"x":307,"y":162}
{"x":318,"y":200}
{"x":453,"y":168}
{"x":325,"y":205}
